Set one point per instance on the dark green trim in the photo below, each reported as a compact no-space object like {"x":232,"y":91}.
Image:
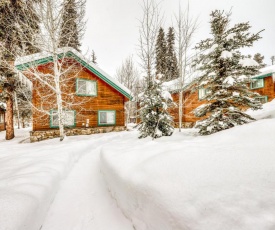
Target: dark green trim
{"x":265,"y":97}
{"x":79,"y":60}
{"x":263,"y":76}
{"x":257,"y":87}
{"x":57,"y":126}
{"x":87,"y":95}
{"x":98,"y":117}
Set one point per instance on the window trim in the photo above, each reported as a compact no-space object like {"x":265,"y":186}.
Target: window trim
{"x":262,"y":86}
{"x":98,"y":117}
{"x":265,"y":97}
{"x":205,"y":94}
{"x":57,"y":126}
{"x":85,"y":95}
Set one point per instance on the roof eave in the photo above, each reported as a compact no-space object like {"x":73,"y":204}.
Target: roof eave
{"x":49,"y":59}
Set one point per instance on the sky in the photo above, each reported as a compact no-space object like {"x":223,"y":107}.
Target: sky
{"x":112,"y":28}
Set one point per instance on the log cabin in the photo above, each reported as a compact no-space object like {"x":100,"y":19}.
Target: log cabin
{"x":263,"y":83}
{"x":2,"y":116}
{"x":91,"y":97}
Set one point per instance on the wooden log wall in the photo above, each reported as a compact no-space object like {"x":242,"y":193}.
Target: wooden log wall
{"x":192,"y":101}
{"x":86,"y":107}
{"x":268,"y":89}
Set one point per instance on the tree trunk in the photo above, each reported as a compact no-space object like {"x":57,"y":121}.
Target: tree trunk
{"x":9,"y":116}
{"x":17,"y":110}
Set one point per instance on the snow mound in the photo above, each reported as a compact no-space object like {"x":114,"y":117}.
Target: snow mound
{"x":222,"y":181}
{"x":268,"y":111}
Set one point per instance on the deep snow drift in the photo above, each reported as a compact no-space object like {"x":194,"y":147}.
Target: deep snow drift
{"x":32,"y":174}
{"x":222,"y":181}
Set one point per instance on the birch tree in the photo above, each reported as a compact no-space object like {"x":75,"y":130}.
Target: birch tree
{"x":186,"y":27}
{"x":148,"y":31}
{"x":128,"y":75}
{"x":61,"y":69}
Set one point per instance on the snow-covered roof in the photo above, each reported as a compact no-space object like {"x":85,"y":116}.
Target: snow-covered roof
{"x":265,"y":72}
{"x":46,"y":57}
{"x":175,"y":85}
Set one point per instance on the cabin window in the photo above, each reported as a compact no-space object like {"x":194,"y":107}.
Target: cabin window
{"x":203,"y":92}
{"x":1,"y":118}
{"x":86,"y":87}
{"x":257,"y":83}
{"x":69,"y":118}
{"x":106,"y":117}
{"x":262,"y":99}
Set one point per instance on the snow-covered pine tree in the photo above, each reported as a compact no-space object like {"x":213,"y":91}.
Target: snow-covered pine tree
{"x":171,"y":58}
{"x":155,"y":119}
{"x":225,"y":78}
{"x":19,"y":24}
{"x":161,"y":67}
{"x":260,"y":59}
{"x":72,"y":24}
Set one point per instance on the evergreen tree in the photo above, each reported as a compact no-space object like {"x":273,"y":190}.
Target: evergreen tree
{"x":94,"y":58}
{"x":171,"y":59}
{"x":18,"y":26}
{"x":155,"y":119}
{"x":72,"y":24}
{"x":225,"y":75}
{"x":161,"y":67}
{"x":259,"y":59}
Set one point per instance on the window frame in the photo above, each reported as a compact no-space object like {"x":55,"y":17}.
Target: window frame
{"x":260,"y":97}
{"x":106,"y":124}
{"x":84,"y":94}
{"x":256,"y":80}
{"x":57,"y":126}
{"x":206,"y":92}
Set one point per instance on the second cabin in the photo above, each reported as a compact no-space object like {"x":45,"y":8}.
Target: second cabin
{"x":263,"y":83}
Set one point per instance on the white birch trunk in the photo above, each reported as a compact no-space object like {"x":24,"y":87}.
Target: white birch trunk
{"x":17,"y":109}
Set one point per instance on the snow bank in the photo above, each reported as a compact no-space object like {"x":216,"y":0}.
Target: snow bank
{"x":223,"y":181}
{"x":30,"y":175}
{"x":268,"y":111}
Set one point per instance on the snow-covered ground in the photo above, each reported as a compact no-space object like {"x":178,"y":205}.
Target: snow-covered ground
{"x":32,"y":175}
{"x":222,"y":181}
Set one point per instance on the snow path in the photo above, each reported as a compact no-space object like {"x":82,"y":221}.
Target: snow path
{"x":83,"y":201}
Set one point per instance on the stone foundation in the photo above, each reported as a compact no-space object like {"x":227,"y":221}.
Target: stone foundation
{"x":49,"y":134}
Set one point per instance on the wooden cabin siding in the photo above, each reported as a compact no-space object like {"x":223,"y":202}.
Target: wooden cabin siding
{"x":191,"y":101}
{"x":86,"y":107}
{"x":268,"y":89}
